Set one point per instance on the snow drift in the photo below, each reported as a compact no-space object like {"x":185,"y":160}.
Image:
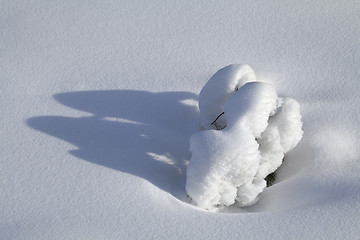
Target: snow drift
{"x":258,"y":128}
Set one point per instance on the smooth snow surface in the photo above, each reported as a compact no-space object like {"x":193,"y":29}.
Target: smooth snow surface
{"x":99,"y":100}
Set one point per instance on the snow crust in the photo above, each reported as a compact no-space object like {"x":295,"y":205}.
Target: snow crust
{"x":259,"y":128}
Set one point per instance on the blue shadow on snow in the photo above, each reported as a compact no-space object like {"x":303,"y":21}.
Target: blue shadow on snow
{"x":138,"y":132}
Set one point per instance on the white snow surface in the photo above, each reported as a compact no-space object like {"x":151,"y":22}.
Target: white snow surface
{"x":223,"y":161}
{"x":217,"y":91}
{"x":99,"y":99}
{"x":232,"y":164}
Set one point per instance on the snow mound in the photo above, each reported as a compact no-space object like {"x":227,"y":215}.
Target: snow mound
{"x":258,"y":128}
{"x":218,"y":90}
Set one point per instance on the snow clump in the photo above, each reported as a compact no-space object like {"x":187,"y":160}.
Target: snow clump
{"x":248,"y":129}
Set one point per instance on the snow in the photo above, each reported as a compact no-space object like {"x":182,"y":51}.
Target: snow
{"x":217,"y":91}
{"x":258,"y":129}
{"x":99,"y":100}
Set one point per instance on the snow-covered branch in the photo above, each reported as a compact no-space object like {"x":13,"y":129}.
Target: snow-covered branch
{"x":230,"y":165}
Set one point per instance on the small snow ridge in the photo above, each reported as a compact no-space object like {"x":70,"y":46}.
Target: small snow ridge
{"x":254,"y":130}
{"x":121,"y":120}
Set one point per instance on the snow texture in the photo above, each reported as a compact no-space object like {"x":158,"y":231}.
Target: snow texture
{"x":98,"y":101}
{"x":218,"y":89}
{"x":232,"y":164}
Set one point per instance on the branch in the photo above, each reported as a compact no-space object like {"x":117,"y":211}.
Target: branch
{"x":218,"y":126}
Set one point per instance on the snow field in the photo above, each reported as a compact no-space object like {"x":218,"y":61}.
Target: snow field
{"x":99,"y":100}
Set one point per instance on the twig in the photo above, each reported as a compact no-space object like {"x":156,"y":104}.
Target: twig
{"x":217,"y":125}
